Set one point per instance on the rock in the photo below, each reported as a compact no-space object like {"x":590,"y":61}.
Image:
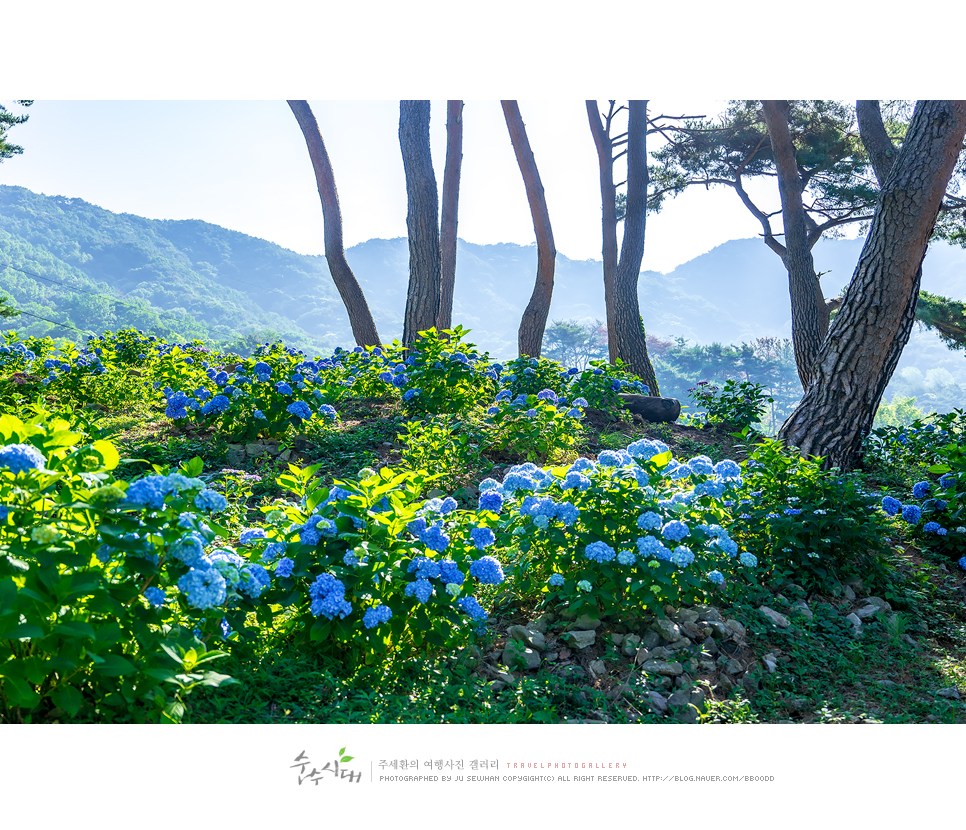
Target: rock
{"x":571,"y":672}
{"x":585,"y":623}
{"x":616,"y":638}
{"x":663,"y":667}
{"x":750,"y":684}
{"x":694,"y":632}
{"x":736,"y":628}
{"x":678,"y":645}
{"x":580,"y":639}
{"x":597,"y":668}
{"x":951,"y":693}
{"x":686,"y":615}
{"x":469,"y":655}
{"x":534,"y":639}
{"x":668,"y":630}
{"x":710,"y":646}
{"x":734,"y":667}
{"x":866,"y":611}
{"x":236,"y":455}
{"x":540,"y":623}
{"x":435,"y":493}
{"x":657,"y":703}
{"x":725,"y":685}
{"x":660,"y":653}
{"x":650,"y":639}
{"x":706,"y":666}
{"x":631,"y":644}
{"x":879,"y":603}
{"x":801,"y":607}
{"x":551,"y":656}
{"x":642,"y":656}
{"x":707,"y":613}
{"x":856,"y":624}
{"x":771,"y":663}
{"x":286,"y":455}
{"x":651,"y":408}
{"x":778,"y":619}
{"x":720,"y":630}
{"x":848,"y":593}
{"x":687,"y":706}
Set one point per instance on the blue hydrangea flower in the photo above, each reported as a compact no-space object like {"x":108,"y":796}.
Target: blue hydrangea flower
{"x":575,"y":480}
{"x":327,"y":411}
{"x":434,"y":538}
{"x":273,"y":550}
{"x":284,"y":567}
{"x":652,"y":547}
{"x":409,"y":394}
{"x":518,"y":481}
{"x":376,"y":615}
{"x":487,"y":570}
{"x":450,"y":574}
{"x":255,"y":579}
{"x":599,"y":552}
{"x":217,"y":404}
{"x":422,"y":589}
{"x":556,"y":580}
{"x":491,"y":500}
{"x":581,"y":402}
{"x":328,"y":597}
{"x":791,"y":511}
{"x":749,"y":560}
{"x":716,"y":577}
{"x":189,"y":549}
{"x":424,"y":567}
{"x":727,"y":469}
{"x":911,"y":514}
{"x":649,"y":521}
{"x":155,"y":596}
{"x":646,"y":448}
{"x":626,"y":557}
{"x":921,"y":489}
{"x":252,"y":535}
{"x":947,"y":481}
{"x":567,"y":513}
{"x":204,"y":588}
{"x":301,"y":410}
{"x":472,"y":607}
{"x":682,"y":556}
{"x":284,"y":389}
{"x":701,"y":465}
{"x":675,"y":531}
{"x":608,"y":458}
{"x":931,"y":527}
{"x":211,"y":500}
{"x":448,"y":505}
{"x":148,"y":491}
{"x":482,"y":537}
{"x":547,"y":395}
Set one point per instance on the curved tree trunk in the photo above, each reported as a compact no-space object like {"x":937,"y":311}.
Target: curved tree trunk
{"x":882,"y":152}
{"x":810,"y":315}
{"x":449,"y":212}
{"x":360,"y":318}
{"x":631,"y":344}
{"x":422,"y":220}
{"x":608,"y":200}
{"x":873,"y":325}
{"x":534,"y":320}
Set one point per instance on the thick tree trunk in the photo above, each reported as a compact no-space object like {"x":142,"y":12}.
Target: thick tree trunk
{"x":631,"y":345}
{"x":422,"y":220}
{"x":608,"y":200}
{"x":449,"y":212}
{"x":873,"y":325}
{"x":360,"y":318}
{"x":534,"y":321}
{"x":810,"y":315}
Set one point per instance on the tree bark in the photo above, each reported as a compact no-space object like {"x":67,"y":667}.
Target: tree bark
{"x":608,"y":200}
{"x":882,"y":152}
{"x":360,"y":318}
{"x":810,"y":315}
{"x":422,"y":220}
{"x":631,"y":344}
{"x":534,"y":321}
{"x":449,"y":212}
{"x":873,"y":325}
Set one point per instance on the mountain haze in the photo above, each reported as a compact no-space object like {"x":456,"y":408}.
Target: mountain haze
{"x":189,"y":278}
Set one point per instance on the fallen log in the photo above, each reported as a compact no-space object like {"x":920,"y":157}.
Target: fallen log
{"x":651,"y":408}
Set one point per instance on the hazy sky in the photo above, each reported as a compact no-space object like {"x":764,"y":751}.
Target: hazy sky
{"x":244,"y":165}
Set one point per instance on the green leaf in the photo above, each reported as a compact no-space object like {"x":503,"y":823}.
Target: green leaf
{"x":108,"y":453}
{"x":346,"y":758}
{"x":25,"y":631}
{"x":193,"y":468}
{"x":74,"y":629}
{"x":211,"y":678}
{"x":68,"y":698}
{"x":113,"y":665}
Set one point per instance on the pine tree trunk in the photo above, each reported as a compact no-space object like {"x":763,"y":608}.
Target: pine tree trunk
{"x":631,"y":345}
{"x":360,"y":318}
{"x":810,"y":315}
{"x":882,"y":152}
{"x":608,"y":200}
{"x":873,"y":324}
{"x":422,"y":220}
{"x":449,"y":212}
{"x":534,"y":320}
